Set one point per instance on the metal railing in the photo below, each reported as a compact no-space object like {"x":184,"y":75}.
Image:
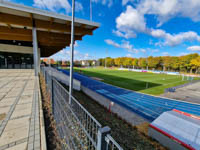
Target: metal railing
{"x":111,"y":144}
{"x":76,"y":127}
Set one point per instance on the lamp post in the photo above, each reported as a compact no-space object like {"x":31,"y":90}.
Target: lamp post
{"x":90,"y":10}
{"x":72,"y":53}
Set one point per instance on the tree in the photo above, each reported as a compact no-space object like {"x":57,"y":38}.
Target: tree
{"x":109,"y":62}
{"x":101,"y":62}
{"x":127,"y":61}
{"x":118,"y":61}
{"x":175,"y":63}
{"x":153,"y":62}
{"x":135,"y":62}
{"x":142,"y":62}
{"x":196,"y":63}
{"x":167,"y":61}
{"x":185,"y":61}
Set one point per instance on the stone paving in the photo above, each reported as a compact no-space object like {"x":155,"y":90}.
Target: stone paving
{"x":21,"y":117}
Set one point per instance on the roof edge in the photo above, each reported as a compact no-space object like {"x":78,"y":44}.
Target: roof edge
{"x":46,"y":13}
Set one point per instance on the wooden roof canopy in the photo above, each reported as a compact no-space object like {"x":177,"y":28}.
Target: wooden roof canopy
{"x":53,"y":30}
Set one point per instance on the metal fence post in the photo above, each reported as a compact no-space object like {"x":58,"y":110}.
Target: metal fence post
{"x":52,"y":95}
{"x":102,"y":132}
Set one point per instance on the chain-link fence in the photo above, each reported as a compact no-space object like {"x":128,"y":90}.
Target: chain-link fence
{"x":76,"y":127}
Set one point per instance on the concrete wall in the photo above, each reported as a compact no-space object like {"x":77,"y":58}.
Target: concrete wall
{"x":16,"y":49}
{"x":63,"y":78}
{"x":164,"y":140}
{"x":122,"y":112}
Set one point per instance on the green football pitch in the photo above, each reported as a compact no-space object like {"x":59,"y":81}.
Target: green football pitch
{"x":149,"y":83}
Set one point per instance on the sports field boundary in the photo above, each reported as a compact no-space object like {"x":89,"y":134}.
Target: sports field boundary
{"x":147,"y":93}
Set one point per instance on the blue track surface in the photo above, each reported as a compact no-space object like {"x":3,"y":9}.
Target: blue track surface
{"x":147,"y":106}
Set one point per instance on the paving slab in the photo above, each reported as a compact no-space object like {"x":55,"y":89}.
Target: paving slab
{"x":22,"y":146}
{"x":20,"y":110}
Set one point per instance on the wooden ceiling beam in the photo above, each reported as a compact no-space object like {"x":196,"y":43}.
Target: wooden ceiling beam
{"x":51,"y":22}
{"x":48,"y":51}
{"x":41,"y":34}
{"x":59,"y":44}
{"x":44,"y":40}
{"x":9,"y":26}
{"x":41,"y":24}
{"x":15,"y":37}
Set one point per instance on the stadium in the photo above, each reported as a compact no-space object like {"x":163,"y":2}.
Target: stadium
{"x":99,"y":75}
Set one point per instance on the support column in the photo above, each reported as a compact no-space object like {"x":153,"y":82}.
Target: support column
{"x":101,"y":142}
{"x":72,"y":53}
{"x":38,"y":60}
{"x":35,"y":50}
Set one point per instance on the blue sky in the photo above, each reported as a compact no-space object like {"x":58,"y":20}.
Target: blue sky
{"x":135,"y":28}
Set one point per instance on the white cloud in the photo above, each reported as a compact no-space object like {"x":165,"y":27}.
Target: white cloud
{"x":124,"y":2}
{"x":111,"y":42}
{"x":131,"y":21}
{"x":78,"y":7}
{"x":194,"y":48}
{"x":165,"y":54}
{"x":125,"y":45}
{"x":175,"y":39}
{"x":149,"y":51}
{"x":143,"y":50}
{"x":167,"y":9}
{"x":65,"y":55}
{"x":108,"y":3}
{"x":76,"y":44}
{"x":183,"y":54}
{"x":158,"y":33}
{"x":127,"y":35}
{"x":155,"y":51}
{"x":128,"y":55}
{"x":53,"y":5}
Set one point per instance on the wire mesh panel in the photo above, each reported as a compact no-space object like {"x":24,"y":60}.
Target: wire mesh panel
{"x":76,"y":127}
{"x":111,"y":144}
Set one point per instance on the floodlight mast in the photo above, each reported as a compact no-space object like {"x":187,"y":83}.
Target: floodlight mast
{"x":90,"y":10}
{"x":72,"y":53}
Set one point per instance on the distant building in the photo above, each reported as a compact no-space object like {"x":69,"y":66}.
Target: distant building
{"x":52,"y":61}
{"x":89,"y":63}
{"x":84,"y":63}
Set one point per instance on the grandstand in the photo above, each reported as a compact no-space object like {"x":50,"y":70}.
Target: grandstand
{"x":147,"y":106}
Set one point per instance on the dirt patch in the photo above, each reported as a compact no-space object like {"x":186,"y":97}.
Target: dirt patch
{"x":53,"y":141}
{"x":2,"y":116}
{"x":96,"y":78}
{"x":143,"y":128}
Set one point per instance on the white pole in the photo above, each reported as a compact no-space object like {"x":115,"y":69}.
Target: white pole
{"x":35,"y":50}
{"x":72,"y":53}
{"x":90,"y":10}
